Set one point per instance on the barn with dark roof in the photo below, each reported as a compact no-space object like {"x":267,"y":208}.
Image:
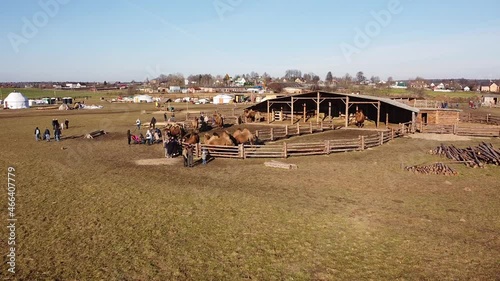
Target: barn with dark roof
{"x":336,"y":104}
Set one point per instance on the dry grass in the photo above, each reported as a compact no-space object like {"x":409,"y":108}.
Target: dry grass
{"x":88,"y":212}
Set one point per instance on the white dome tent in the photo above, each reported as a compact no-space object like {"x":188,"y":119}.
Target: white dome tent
{"x":16,"y":100}
{"x":143,"y":98}
{"x":223,"y":99}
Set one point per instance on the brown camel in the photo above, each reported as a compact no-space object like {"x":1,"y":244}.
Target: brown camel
{"x":192,"y":138}
{"x":244,"y":136}
{"x":360,"y":118}
{"x":175,"y":130}
{"x":219,"y":121}
{"x":215,"y":139}
{"x":252,"y":116}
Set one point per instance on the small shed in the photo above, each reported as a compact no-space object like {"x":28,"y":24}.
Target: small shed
{"x":223,"y":99}
{"x":490,"y":100}
{"x":143,"y":98}
{"x":438,"y":116}
{"x":67,"y":100}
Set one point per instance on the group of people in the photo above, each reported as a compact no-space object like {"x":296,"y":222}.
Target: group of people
{"x":187,"y":155}
{"x":57,"y":127}
{"x":152,"y":136}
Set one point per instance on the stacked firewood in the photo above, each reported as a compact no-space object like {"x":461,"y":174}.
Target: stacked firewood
{"x":471,"y":156}
{"x":433,"y":169}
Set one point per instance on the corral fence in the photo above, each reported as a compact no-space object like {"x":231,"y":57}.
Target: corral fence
{"x":481,"y":118}
{"x":286,"y":150}
{"x":462,"y":130}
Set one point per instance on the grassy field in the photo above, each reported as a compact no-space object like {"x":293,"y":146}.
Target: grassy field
{"x":87,"y":212}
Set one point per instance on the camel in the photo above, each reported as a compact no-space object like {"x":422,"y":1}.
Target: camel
{"x":252,"y":116}
{"x":360,"y":118}
{"x":195,"y":123}
{"x":215,"y":139}
{"x":219,"y":121}
{"x":175,"y":130}
{"x":244,"y":136}
{"x":192,"y":138}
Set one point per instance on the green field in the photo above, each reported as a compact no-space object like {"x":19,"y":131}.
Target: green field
{"x":86,"y":211}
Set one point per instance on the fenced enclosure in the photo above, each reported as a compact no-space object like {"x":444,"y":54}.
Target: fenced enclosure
{"x":286,"y":150}
{"x":481,"y":118}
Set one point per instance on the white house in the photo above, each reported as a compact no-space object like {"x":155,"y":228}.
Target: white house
{"x":223,"y":99}
{"x":240,"y":82}
{"x":143,"y":98}
{"x":16,"y":100}
{"x":466,"y":89}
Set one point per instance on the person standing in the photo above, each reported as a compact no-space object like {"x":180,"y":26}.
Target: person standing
{"x":57,"y":134}
{"x":165,"y":117}
{"x":57,"y":125}
{"x":37,"y":134}
{"x":129,"y":137}
{"x":54,"y":123}
{"x":138,"y":123}
{"x":190,"y":155}
{"x":204,"y":156}
{"x":149,"y":137}
{"x":153,"y":123}
{"x":47,"y":134}
{"x":66,"y":123}
{"x":185,"y":155}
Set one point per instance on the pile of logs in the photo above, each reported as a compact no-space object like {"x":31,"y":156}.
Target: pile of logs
{"x":471,"y":156}
{"x":434,"y":169}
{"x":276,"y":164}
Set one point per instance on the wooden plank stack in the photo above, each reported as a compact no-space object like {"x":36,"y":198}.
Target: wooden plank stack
{"x":433,"y":169}
{"x":471,"y":156}
{"x":95,"y":134}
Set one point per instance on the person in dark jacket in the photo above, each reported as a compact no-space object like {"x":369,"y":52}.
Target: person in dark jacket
{"x":54,"y":123}
{"x":57,"y":134}
{"x":66,"y":123}
{"x":129,"y":137}
{"x":47,"y":134}
{"x":153,"y":123}
{"x":165,"y":117}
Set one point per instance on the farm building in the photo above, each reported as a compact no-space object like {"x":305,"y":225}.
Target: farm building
{"x":336,"y":105}
{"x":438,"y":116}
{"x":223,"y":99}
{"x":490,"y":100}
{"x":16,"y":100}
{"x":143,"y":98}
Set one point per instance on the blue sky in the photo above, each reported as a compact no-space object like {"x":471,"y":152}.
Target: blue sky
{"x":123,"y":40}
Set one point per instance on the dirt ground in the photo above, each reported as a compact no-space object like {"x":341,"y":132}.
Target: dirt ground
{"x":87,"y":211}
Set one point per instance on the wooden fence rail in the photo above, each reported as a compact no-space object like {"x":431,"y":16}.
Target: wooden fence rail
{"x":463,"y":130}
{"x":481,"y":118}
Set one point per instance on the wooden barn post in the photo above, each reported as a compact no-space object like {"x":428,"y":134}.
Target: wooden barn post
{"x":310,"y":127}
{"x":241,"y":151}
{"x":387,"y":120}
{"x":329,"y":110}
{"x":268,"y":119}
{"x":378,"y":114}
{"x":298,"y":129}
{"x":347,"y":111}
{"x":317,"y":107}
{"x":257,"y":133}
{"x":291,"y":105}
{"x":381,"y":135}
{"x":392,"y":133}
{"x":272,"y":133}
{"x":327,"y":147}
{"x":273,"y":115}
{"x":286,"y":131}
{"x":321,"y":125}
{"x":304,"y":111}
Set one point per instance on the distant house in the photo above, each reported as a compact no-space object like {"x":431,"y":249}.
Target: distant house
{"x":75,"y":85}
{"x":466,"y":89}
{"x":494,"y":88}
{"x":174,"y":89}
{"x":240,"y":82}
{"x":489,"y":87}
{"x":399,"y":85}
{"x":490,"y":99}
